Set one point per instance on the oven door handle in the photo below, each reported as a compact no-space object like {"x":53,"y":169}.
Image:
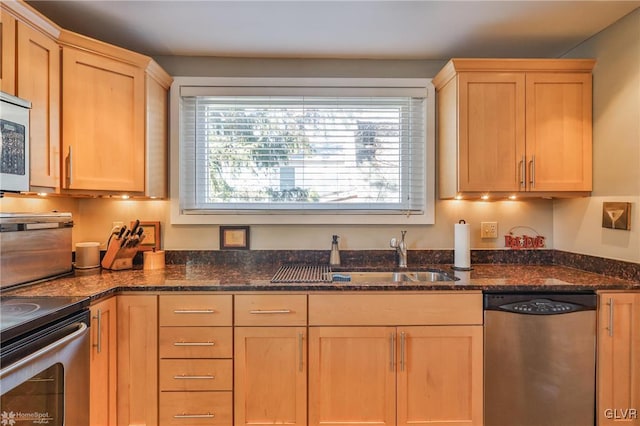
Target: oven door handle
{"x":82,"y":328}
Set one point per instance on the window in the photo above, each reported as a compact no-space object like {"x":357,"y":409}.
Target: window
{"x":327,"y":153}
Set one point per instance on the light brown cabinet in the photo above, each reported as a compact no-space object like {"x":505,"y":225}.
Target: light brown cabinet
{"x":103,"y":377}
{"x":8,"y":66}
{"x":514,"y":127}
{"x":137,"y":389}
{"x":196,"y":349}
{"x":270,"y":359}
{"x":364,"y":368}
{"x":618,"y":378}
{"x":102,"y":122}
{"x":38,"y":80}
{"x":31,"y":70}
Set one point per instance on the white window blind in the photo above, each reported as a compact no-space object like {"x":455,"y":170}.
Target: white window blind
{"x":281,"y":152}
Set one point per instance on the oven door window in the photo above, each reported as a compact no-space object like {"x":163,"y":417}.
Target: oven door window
{"x":38,"y":401}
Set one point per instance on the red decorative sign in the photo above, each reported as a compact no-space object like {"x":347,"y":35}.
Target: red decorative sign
{"x":523,"y":242}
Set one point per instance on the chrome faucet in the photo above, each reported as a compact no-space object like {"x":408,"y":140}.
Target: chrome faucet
{"x":401,"y":249}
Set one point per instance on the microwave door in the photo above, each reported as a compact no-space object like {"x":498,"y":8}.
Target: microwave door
{"x":14,"y":147}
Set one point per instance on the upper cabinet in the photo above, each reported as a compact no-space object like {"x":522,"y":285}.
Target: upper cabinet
{"x":103,"y":122}
{"x":512,"y":127}
{"x":99,"y":113}
{"x":31,"y":70}
{"x":114,"y":120}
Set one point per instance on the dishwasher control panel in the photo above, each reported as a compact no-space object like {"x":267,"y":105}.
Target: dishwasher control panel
{"x":539,"y":304}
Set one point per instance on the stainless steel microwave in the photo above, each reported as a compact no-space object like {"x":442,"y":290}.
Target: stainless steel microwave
{"x":14,"y":148}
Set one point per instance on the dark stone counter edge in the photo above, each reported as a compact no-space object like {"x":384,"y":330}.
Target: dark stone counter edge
{"x":502,"y":288}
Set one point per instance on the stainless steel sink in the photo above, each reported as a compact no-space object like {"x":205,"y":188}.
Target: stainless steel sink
{"x":391,"y":276}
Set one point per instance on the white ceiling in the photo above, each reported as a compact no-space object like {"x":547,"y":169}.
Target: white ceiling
{"x":340,"y":29}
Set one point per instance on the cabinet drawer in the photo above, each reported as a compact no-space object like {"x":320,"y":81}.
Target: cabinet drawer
{"x":196,"y":342}
{"x":195,"y":310}
{"x":196,"y":374}
{"x":271,"y":309}
{"x":195,"y":408}
{"x":396,"y":309}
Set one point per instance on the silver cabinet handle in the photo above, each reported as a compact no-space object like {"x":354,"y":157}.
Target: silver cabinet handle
{"x":610,"y":317}
{"x":270,"y":311}
{"x":402,"y":344}
{"x":523,"y":171}
{"x":69,"y":168}
{"x":194,"y":344}
{"x":194,"y":416}
{"x":532,"y":171}
{"x":392,"y":345}
{"x":194,"y":311}
{"x":187,"y":377}
{"x":98,"y":318}
{"x":300,"y":350}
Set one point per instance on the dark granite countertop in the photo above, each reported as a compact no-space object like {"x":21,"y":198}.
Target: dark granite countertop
{"x":197,"y":277}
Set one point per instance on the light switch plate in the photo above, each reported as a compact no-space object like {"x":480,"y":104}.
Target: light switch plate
{"x":488,"y":229}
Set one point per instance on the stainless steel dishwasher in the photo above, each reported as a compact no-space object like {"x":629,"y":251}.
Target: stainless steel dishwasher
{"x":539,"y":359}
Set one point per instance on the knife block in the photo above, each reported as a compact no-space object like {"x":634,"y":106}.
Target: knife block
{"x":118,"y":258}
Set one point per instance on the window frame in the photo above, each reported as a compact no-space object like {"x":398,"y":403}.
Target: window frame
{"x":299,"y":216}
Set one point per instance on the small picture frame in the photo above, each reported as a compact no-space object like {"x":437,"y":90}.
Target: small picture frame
{"x":151,"y":236}
{"x":234,"y":238}
{"x":616,"y":215}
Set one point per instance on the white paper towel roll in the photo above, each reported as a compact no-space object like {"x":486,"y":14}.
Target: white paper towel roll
{"x":462,"y":249}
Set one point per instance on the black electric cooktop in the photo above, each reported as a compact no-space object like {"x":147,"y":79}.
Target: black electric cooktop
{"x":20,"y":315}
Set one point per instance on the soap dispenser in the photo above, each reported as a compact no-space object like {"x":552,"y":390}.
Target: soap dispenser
{"x":334,"y":257}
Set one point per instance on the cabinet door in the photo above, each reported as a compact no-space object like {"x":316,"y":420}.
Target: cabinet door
{"x":440,"y":375}
{"x":103,"y":119}
{"x":8,"y":57}
{"x":270,"y":376}
{"x":559,"y":146}
{"x":352,"y":377}
{"x":619,"y":359}
{"x":102,"y":409}
{"x":137,"y":360}
{"x":39,"y":82}
{"x":491,"y":131}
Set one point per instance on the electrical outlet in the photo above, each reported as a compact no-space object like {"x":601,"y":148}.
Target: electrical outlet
{"x":488,"y":229}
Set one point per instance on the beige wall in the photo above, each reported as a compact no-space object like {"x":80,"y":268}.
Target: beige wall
{"x":616,"y":147}
{"x":94,"y":218}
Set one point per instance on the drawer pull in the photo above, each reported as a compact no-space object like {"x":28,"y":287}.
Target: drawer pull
{"x":270,"y":311}
{"x":194,"y":311}
{"x":187,"y":377}
{"x":194,"y":344}
{"x":194,"y":416}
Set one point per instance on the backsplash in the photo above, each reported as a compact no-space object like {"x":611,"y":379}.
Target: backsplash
{"x":416,"y":258}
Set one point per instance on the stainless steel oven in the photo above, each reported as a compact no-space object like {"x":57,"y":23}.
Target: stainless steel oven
{"x":44,"y":361}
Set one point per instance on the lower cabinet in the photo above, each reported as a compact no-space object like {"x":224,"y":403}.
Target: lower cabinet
{"x":270,"y":360}
{"x":103,"y":368}
{"x":270,"y":376}
{"x":618,"y":378}
{"x":364,"y":369}
{"x":423,"y":375}
{"x":196,"y":367}
{"x":137,"y":392}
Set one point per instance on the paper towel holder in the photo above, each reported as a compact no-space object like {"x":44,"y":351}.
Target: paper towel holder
{"x":458,"y":268}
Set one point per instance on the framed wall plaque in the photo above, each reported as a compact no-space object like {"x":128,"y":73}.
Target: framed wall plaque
{"x":151,"y":236}
{"x":234,"y":238}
